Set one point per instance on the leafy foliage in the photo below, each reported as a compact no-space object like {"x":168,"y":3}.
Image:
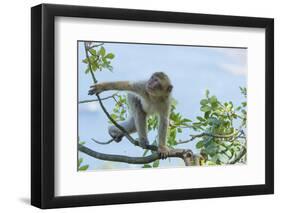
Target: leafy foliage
{"x":120,"y":108}
{"x":99,"y":59}
{"x":222,"y":140}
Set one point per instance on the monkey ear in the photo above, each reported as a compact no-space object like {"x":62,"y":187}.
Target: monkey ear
{"x":170,"y":87}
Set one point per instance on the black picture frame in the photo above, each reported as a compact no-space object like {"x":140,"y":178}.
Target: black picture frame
{"x":43,"y":105}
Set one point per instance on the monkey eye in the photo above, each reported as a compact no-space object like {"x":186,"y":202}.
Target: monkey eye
{"x":155,"y":79}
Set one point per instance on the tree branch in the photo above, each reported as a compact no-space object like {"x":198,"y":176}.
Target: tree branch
{"x":213,"y":135}
{"x":92,"y":100}
{"x":184,"y":154}
{"x":97,"y":45}
{"x":240,"y":155}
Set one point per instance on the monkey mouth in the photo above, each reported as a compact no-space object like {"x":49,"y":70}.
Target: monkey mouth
{"x":149,"y":87}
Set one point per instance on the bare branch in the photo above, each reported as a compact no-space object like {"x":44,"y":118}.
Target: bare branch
{"x":96,"y":45}
{"x":176,"y":153}
{"x":93,"y":100}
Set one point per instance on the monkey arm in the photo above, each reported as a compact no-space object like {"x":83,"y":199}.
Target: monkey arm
{"x":118,"y":85}
{"x":163,"y":150}
{"x":163,"y":128}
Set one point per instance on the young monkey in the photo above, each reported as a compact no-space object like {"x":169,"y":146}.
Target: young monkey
{"x":145,"y":98}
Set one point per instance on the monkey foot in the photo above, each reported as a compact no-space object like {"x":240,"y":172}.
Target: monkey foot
{"x":163,"y":152}
{"x":115,"y":134}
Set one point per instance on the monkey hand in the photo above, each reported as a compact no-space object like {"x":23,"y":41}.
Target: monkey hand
{"x":95,"y":89}
{"x":143,"y":142}
{"x":163,"y":151}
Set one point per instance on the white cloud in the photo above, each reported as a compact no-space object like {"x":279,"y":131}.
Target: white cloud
{"x":89,"y":107}
{"x":234,"y":68}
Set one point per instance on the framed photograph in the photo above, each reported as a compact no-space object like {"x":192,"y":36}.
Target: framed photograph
{"x":140,"y":106}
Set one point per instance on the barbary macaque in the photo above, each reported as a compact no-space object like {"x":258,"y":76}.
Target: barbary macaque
{"x":145,"y":98}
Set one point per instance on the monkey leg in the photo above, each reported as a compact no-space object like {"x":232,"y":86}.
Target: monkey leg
{"x":140,"y":123}
{"x":117,"y":134}
{"x":139,"y":116}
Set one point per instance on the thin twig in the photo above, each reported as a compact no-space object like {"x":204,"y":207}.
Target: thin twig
{"x":93,"y":100}
{"x":97,"y":45}
{"x":210,"y":135}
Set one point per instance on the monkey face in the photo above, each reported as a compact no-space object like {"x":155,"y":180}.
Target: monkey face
{"x":159,"y":84}
{"x":154,"y":83}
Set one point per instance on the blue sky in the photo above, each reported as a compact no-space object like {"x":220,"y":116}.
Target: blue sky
{"x":192,"y":70}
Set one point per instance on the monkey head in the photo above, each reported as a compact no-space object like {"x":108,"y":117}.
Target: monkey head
{"x":159,"y":84}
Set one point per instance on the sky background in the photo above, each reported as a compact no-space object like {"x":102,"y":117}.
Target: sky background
{"x":192,"y":70}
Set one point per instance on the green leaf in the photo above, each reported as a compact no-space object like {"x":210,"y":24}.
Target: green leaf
{"x":94,"y":66}
{"x":210,"y":163}
{"x":207,"y":114}
{"x":80,"y":161}
{"x":238,"y":108}
{"x":155,"y":163}
{"x":110,"y":56}
{"x":213,"y":99}
{"x":205,"y":108}
{"x":212,"y":149}
{"x":82,"y":142}
{"x":85,"y":61}
{"x":146,"y":166}
{"x":200,"y":144}
{"x":102,"y":51}
{"x":200,"y":118}
{"x":114,"y":116}
{"x":185,"y":120}
{"x":204,"y":102}
{"x":84,"y":168}
{"x":223,"y":158}
{"x":215,"y":159}
{"x":93,"y":51}
{"x":213,"y":121}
